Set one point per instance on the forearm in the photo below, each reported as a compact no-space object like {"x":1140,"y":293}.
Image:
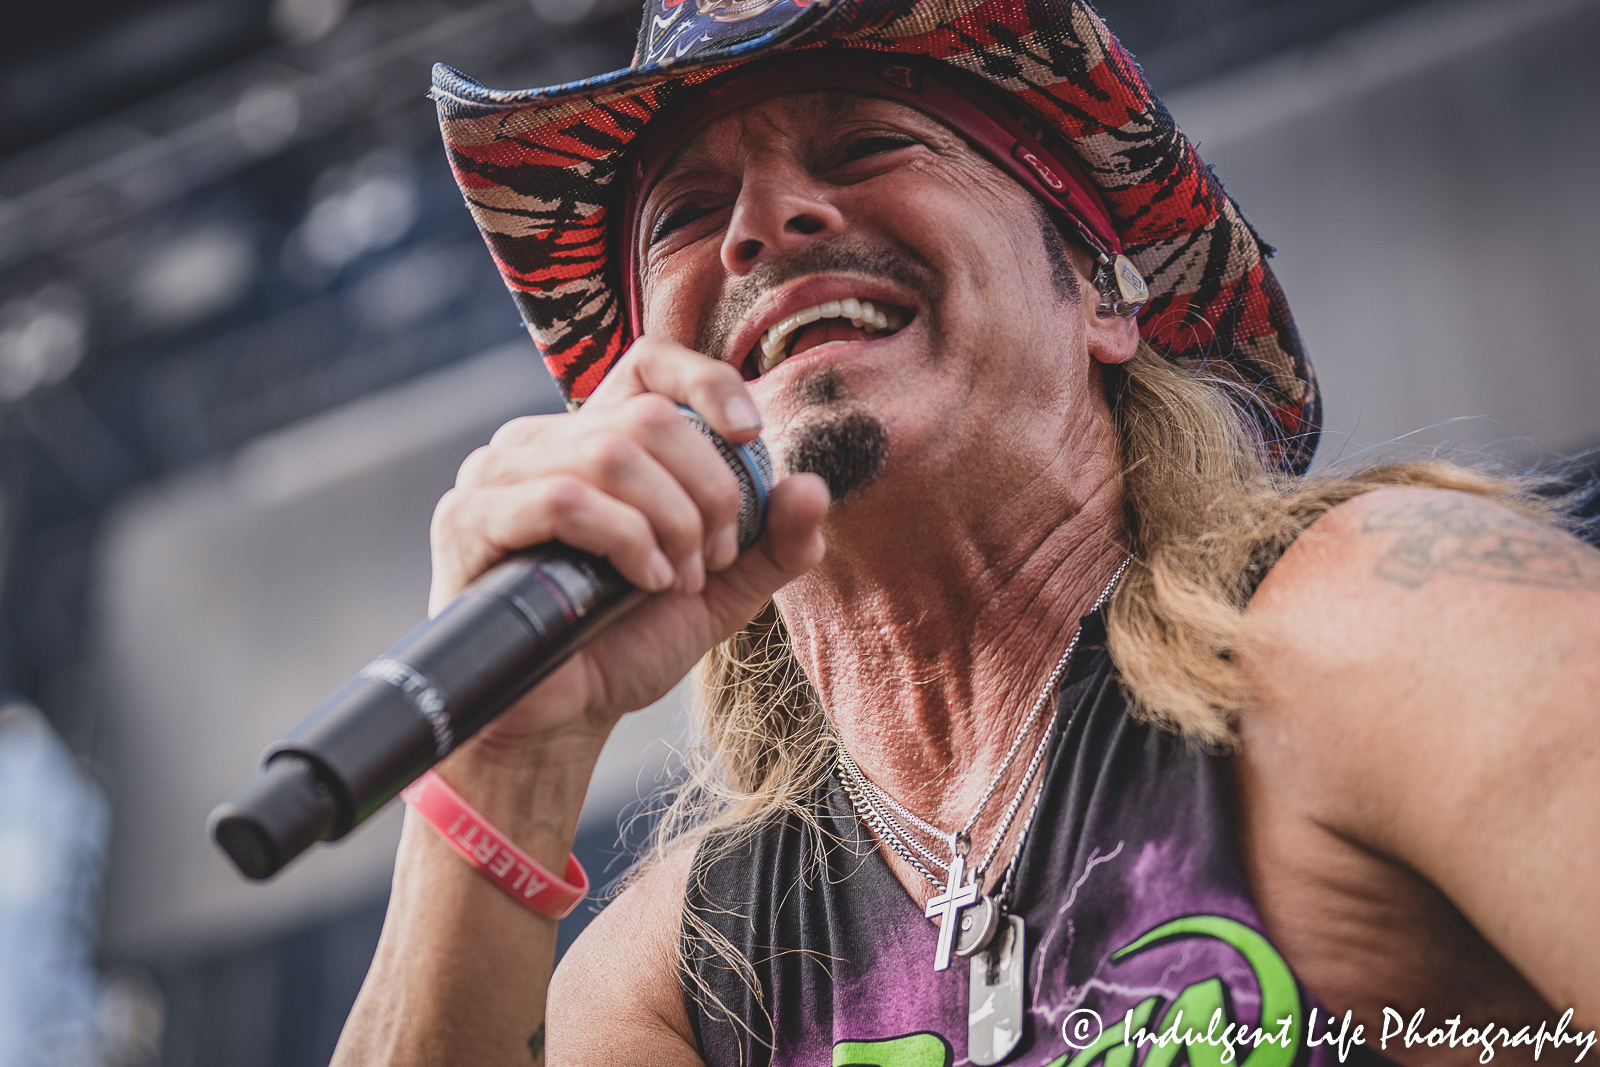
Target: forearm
{"x":461,"y":968}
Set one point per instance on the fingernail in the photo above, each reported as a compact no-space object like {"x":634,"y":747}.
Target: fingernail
{"x":741,"y":414}
{"x":724,"y":549}
{"x":660,"y":571}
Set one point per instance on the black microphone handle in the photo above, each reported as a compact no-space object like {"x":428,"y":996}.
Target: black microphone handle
{"x":436,"y":687}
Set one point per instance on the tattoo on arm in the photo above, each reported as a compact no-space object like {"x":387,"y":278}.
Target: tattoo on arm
{"x":1476,"y":539}
{"x":536,"y":1044}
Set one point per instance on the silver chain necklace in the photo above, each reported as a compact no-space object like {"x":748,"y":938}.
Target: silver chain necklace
{"x":960,"y":889}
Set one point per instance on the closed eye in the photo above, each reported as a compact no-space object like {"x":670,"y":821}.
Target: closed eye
{"x":675,"y":219}
{"x":878,"y":143}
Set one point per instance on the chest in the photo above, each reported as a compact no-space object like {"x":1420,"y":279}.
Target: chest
{"x":1133,"y":911}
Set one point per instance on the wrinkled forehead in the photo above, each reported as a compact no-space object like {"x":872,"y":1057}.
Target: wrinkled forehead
{"x":828,"y":81}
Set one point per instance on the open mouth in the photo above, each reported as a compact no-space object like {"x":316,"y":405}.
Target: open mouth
{"x":826,"y":323}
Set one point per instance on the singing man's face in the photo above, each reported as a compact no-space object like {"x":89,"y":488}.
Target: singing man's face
{"x":974,"y":344}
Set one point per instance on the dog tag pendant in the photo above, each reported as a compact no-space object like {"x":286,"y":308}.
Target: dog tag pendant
{"x":996,"y":999}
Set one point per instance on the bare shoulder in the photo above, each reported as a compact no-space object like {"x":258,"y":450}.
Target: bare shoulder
{"x":1405,"y":612}
{"x":1410,"y":575}
{"x":616,"y":997}
{"x":1424,"y":727}
{"x":1413,"y":538}
{"x":1426,"y":676}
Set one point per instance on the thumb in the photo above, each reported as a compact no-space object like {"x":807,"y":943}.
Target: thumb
{"x":791,"y":545}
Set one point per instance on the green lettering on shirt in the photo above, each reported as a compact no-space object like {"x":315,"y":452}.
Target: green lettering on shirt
{"x":926,"y":1049}
{"x":1280,"y":997}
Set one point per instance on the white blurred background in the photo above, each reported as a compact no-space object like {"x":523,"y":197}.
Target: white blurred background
{"x":247,"y":333}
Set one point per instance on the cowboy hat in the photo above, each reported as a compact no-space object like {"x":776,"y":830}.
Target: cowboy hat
{"x":540,"y":171}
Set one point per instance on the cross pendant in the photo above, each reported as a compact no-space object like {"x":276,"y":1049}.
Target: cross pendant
{"x":948,"y":905}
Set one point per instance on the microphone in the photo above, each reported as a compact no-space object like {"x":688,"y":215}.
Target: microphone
{"x":438,"y":685}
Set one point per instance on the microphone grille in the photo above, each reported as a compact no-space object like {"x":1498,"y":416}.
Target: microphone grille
{"x":752,"y":465}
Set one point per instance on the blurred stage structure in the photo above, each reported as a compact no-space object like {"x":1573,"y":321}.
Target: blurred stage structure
{"x":247,"y":333}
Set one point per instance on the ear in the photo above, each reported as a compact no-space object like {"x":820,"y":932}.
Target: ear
{"x":1111,"y":338}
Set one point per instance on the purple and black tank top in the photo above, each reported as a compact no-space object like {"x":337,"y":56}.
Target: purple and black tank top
{"x":1132,"y":894}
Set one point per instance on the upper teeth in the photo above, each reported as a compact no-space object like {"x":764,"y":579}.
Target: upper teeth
{"x":861,"y":313}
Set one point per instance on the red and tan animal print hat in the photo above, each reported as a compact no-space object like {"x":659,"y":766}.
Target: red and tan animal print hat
{"x":544,"y":175}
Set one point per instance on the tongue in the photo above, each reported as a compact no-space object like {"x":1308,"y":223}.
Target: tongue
{"x":825,"y":332}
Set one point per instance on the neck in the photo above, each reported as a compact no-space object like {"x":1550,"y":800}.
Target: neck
{"x":930,"y":638}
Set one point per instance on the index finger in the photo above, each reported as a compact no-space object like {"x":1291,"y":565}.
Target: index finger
{"x":709,"y":386}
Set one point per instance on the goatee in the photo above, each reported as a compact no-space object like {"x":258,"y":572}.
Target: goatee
{"x":846,"y":451}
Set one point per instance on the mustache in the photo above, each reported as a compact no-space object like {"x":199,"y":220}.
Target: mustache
{"x":852,"y":256}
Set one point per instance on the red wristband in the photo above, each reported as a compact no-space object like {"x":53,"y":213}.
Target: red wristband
{"x":486,"y":849}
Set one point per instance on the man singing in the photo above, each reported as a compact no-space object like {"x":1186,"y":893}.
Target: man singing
{"x":1057,"y":718}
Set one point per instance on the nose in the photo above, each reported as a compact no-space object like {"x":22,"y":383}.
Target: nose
{"x":780,"y":209}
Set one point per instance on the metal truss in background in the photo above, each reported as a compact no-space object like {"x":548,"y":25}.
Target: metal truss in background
{"x":241,"y":252}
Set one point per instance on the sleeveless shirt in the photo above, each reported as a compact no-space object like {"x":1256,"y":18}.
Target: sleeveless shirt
{"x":1135,"y":905}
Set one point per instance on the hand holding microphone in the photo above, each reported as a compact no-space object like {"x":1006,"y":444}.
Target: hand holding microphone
{"x":640,"y":503}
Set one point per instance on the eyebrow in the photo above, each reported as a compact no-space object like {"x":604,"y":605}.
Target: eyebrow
{"x":682,"y":158}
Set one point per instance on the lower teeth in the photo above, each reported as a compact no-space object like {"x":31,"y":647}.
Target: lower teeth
{"x":771,"y":358}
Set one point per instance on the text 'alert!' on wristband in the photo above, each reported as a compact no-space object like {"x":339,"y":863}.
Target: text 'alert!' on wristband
{"x":487,"y":849}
